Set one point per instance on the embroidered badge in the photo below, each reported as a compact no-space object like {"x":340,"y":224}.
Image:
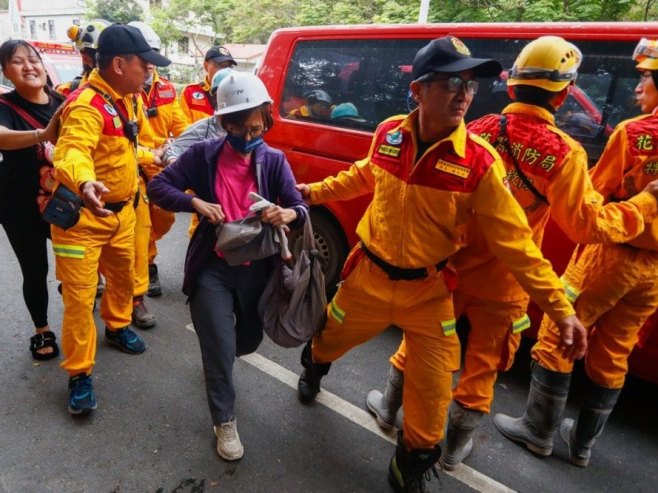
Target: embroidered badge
{"x":116,"y":121}
{"x":166,"y":94}
{"x":452,"y":168}
{"x":389,"y":150}
{"x":460,"y":47}
{"x":395,"y":138}
{"x":198,"y":95}
{"x":108,"y":107}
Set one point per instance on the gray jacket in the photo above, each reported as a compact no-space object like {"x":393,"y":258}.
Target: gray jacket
{"x":205,"y":129}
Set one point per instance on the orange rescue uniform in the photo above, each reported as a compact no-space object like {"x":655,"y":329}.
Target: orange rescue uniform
{"x":615,"y":287}
{"x":195,"y":101}
{"x":488,"y":293}
{"x":418,"y":217}
{"x":92,"y":147}
{"x":166,"y":119}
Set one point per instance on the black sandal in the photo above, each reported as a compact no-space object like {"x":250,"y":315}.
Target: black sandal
{"x":44,"y":340}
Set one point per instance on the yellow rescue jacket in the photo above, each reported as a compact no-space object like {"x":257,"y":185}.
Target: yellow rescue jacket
{"x":421,"y":207}
{"x":556,"y":165}
{"x":92,"y":145}
{"x":628,"y":163}
{"x":195,"y":101}
{"x":163,"y":110}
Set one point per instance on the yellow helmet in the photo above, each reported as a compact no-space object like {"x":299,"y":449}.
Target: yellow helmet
{"x":646,"y":54}
{"x":87,"y":36}
{"x":548,"y":62}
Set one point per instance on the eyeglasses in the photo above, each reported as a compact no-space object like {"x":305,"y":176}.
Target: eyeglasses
{"x":254,"y":132}
{"x":454,"y":83}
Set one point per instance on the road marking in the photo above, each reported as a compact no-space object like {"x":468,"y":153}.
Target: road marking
{"x":463,"y":473}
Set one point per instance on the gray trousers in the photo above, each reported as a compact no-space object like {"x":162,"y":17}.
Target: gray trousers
{"x":220,"y":292}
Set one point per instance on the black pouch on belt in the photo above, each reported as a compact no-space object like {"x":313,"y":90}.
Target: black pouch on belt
{"x":63,"y":208}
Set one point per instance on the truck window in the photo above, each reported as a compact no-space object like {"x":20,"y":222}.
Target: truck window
{"x":373,"y":75}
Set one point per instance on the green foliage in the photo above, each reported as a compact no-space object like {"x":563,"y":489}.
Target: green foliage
{"x":114,"y":10}
{"x":252,"y":21}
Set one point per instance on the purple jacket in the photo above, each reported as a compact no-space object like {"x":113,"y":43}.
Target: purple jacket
{"x":196,"y":170}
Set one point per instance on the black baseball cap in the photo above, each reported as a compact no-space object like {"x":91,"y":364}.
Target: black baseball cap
{"x":120,"y":39}
{"x":450,"y":55}
{"x":219,"y":54}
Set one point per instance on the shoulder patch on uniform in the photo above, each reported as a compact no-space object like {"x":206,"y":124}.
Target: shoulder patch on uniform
{"x":452,"y":168}
{"x":198,"y":95}
{"x":394,"y":138}
{"x":166,"y":93}
{"x":110,"y":109}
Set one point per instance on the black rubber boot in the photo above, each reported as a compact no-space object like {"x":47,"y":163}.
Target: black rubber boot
{"x":308,"y":386}
{"x":408,"y":469}
{"x":546,"y":400}
{"x":385,"y":406}
{"x":154,"y":289}
{"x":462,"y":423}
{"x":597,"y":406}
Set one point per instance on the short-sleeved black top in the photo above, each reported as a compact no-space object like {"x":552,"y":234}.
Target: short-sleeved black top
{"x":19,"y":169}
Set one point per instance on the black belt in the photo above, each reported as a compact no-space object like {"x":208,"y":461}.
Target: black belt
{"x":116,"y":207}
{"x":398,"y":273}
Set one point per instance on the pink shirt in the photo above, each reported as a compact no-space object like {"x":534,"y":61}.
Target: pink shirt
{"x":234,"y":179}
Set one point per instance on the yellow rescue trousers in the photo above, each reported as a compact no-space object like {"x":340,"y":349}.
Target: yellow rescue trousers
{"x":493,"y":339}
{"x":615,"y":288}
{"x":142,"y":237}
{"x":95,"y":243}
{"x":367,"y":303}
{"x":161,"y":223}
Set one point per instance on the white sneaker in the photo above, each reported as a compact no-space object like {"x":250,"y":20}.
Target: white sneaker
{"x":229,"y":446}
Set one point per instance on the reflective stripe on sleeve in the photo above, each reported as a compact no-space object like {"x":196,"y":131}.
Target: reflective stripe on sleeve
{"x":521,"y":324}
{"x":571,"y":292}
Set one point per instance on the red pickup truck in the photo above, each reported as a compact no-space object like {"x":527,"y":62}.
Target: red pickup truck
{"x":369,"y":67}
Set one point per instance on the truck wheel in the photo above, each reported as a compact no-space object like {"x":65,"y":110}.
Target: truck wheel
{"x":330,"y":242}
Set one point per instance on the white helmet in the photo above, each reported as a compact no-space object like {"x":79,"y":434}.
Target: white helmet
{"x":149,"y":34}
{"x":240,"y":91}
{"x":86,"y":36}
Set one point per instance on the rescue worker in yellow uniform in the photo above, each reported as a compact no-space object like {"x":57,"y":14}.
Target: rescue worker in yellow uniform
{"x":96,"y":158}
{"x":547,"y":173}
{"x":195,"y":99}
{"x":614,"y":287}
{"x":429,"y":177}
{"x":85,"y":39}
{"x":165,"y":119}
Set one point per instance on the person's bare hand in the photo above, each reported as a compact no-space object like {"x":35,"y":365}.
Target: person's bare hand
{"x":51,"y":132}
{"x":305,"y":190}
{"x":213,"y":212}
{"x":278,"y":216}
{"x":92,"y":192}
{"x":573,"y":341}
{"x":158,"y":154}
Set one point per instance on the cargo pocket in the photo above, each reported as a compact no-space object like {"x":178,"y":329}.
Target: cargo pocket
{"x":512,"y":341}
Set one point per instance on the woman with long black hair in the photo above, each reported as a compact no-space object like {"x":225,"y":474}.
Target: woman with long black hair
{"x":28,"y":124}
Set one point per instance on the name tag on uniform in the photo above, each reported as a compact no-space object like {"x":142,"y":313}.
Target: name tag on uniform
{"x":166,"y":94}
{"x":389,"y":150}
{"x":452,"y":168}
{"x":116,"y":121}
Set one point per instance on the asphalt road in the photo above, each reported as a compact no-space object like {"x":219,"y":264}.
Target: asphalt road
{"x":152,"y":430}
